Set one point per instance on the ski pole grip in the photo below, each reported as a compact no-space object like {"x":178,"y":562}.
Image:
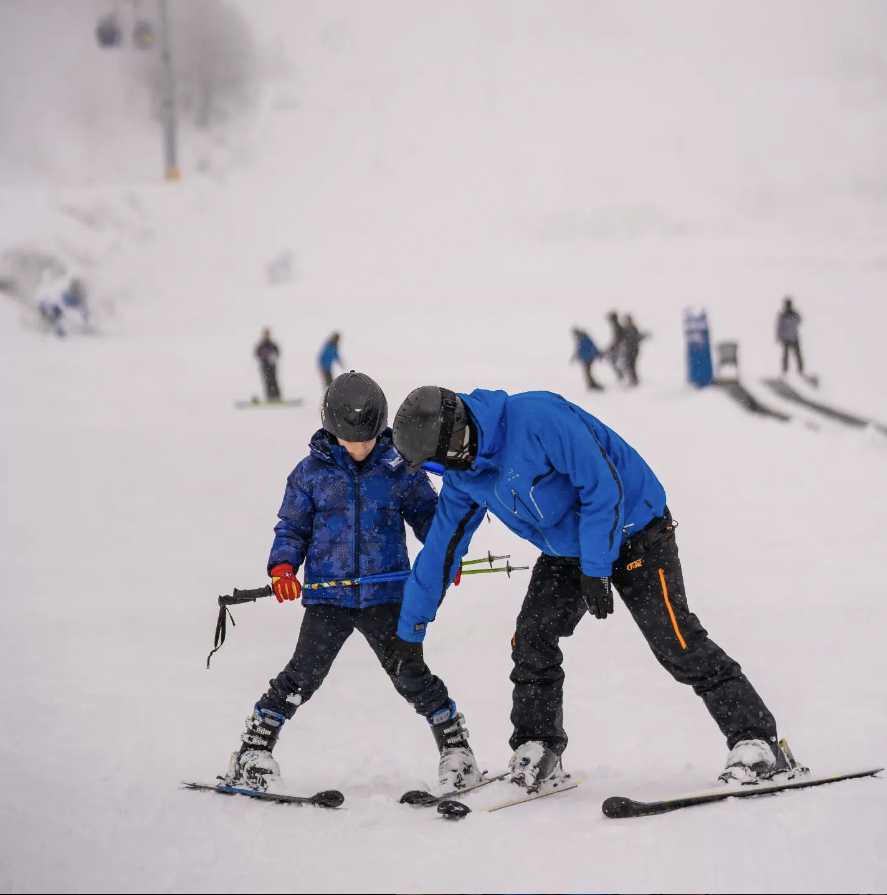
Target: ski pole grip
{"x":245,"y":596}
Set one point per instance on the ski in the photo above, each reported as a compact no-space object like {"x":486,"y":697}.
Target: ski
{"x":622,"y":807}
{"x":786,"y":391}
{"x":328,"y":798}
{"x":292,"y":402}
{"x":420,"y":798}
{"x":739,"y":393}
{"x":565,"y":785}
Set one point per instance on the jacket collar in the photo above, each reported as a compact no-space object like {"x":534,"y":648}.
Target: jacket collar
{"x":325,"y":448}
{"x":487,"y":410}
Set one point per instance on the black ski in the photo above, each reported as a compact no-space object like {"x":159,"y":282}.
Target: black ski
{"x":420,"y":798}
{"x":620,"y":806}
{"x":329,"y":798}
{"x":784,"y":390}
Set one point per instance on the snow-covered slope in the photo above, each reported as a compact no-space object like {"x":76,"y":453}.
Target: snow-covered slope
{"x":446,"y":224}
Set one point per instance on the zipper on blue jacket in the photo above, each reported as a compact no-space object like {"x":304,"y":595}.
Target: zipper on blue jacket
{"x":357,"y":536}
{"x":514,"y":511}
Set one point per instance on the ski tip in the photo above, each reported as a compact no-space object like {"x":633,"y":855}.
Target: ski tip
{"x":450,"y":809}
{"x":417,"y":797}
{"x":329,"y":798}
{"x":618,"y":806}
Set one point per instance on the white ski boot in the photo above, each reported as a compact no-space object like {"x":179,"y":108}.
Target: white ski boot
{"x":533,"y":765}
{"x":458,"y":767}
{"x":254,"y":766}
{"x":753,"y":761}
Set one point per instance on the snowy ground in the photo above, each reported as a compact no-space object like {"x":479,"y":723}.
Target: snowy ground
{"x":136,"y":494}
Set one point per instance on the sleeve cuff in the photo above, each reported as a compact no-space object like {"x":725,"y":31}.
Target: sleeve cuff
{"x":412,"y":632}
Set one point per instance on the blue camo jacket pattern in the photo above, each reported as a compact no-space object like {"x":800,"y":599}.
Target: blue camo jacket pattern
{"x":343,"y":521}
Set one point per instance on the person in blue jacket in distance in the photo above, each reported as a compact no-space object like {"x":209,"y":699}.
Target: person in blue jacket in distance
{"x":342,"y":517}
{"x":560,"y":478}
{"x":586,"y":353}
{"x":329,"y":355}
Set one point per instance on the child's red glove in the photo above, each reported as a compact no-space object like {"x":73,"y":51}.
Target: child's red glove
{"x":284,"y":582}
{"x":458,"y":579}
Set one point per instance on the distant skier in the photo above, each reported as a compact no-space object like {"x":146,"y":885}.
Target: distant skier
{"x":788,"y":325}
{"x":614,"y":351}
{"x":52,"y":315}
{"x":267,"y":353}
{"x":343,"y":515}
{"x":561,"y":479}
{"x":586,"y":353}
{"x":74,"y":298}
{"x":631,"y":346}
{"x":329,"y":355}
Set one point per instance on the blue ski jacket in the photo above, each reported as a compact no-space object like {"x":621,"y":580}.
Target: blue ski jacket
{"x":343,"y":520}
{"x":586,"y":350}
{"x":553,"y":473}
{"x":328,"y":356}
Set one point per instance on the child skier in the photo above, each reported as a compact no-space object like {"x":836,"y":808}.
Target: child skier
{"x":343,"y":514}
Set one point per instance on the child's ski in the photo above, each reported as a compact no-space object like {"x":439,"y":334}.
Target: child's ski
{"x":420,"y":798}
{"x":329,"y":798}
{"x":564,"y":785}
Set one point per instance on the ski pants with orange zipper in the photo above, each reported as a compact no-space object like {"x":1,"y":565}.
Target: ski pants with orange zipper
{"x":648,"y":577}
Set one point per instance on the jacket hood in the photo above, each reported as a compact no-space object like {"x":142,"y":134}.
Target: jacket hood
{"x":487,"y":409}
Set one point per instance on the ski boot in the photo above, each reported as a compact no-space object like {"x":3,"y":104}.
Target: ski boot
{"x":756,"y":760}
{"x":458,"y":767}
{"x":533,"y":765}
{"x":254,"y":766}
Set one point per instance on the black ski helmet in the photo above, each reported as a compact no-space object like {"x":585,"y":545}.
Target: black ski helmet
{"x":354,"y":408}
{"x":433,"y":424}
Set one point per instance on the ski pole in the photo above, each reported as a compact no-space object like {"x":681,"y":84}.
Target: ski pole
{"x":489,"y":558}
{"x":237,"y":597}
{"x":508,"y":568}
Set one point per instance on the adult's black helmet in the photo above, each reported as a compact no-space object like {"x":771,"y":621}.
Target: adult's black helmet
{"x":354,"y":408}
{"x":433,"y":424}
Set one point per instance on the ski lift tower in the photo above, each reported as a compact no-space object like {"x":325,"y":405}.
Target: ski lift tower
{"x":170,"y":129}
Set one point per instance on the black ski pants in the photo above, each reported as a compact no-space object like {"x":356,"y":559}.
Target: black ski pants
{"x":793,"y":348}
{"x":325,"y":628}
{"x":648,"y":577}
{"x":589,"y":376}
{"x":269,"y":380}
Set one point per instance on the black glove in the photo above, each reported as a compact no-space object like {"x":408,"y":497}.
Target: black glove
{"x":598,"y":595}
{"x":400,"y":654}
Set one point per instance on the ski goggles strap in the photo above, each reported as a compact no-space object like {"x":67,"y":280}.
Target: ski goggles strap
{"x":448,"y":404}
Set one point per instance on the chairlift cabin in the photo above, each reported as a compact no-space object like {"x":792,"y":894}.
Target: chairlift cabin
{"x":108,"y":33}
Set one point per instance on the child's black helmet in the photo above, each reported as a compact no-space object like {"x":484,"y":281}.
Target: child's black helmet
{"x":433,"y":424}
{"x":354,"y":408}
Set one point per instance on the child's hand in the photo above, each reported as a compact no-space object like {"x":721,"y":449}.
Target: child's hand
{"x":284,"y":583}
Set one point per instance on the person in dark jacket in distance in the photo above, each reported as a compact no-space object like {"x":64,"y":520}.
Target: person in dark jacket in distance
{"x":343,"y":516}
{"x":267,"y":353}
{"x":613,"y":351}
{"x":788,"y":327}
{"x":631,"y":347}
{"x":561,"y":479}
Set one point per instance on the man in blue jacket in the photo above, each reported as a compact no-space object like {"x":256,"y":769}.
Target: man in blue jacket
{"x":561,"y":479}
{"x":343,"y":517}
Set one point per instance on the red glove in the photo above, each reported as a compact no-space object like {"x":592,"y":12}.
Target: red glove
{"x":284,"y":583}
{"x":458,"y":579}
